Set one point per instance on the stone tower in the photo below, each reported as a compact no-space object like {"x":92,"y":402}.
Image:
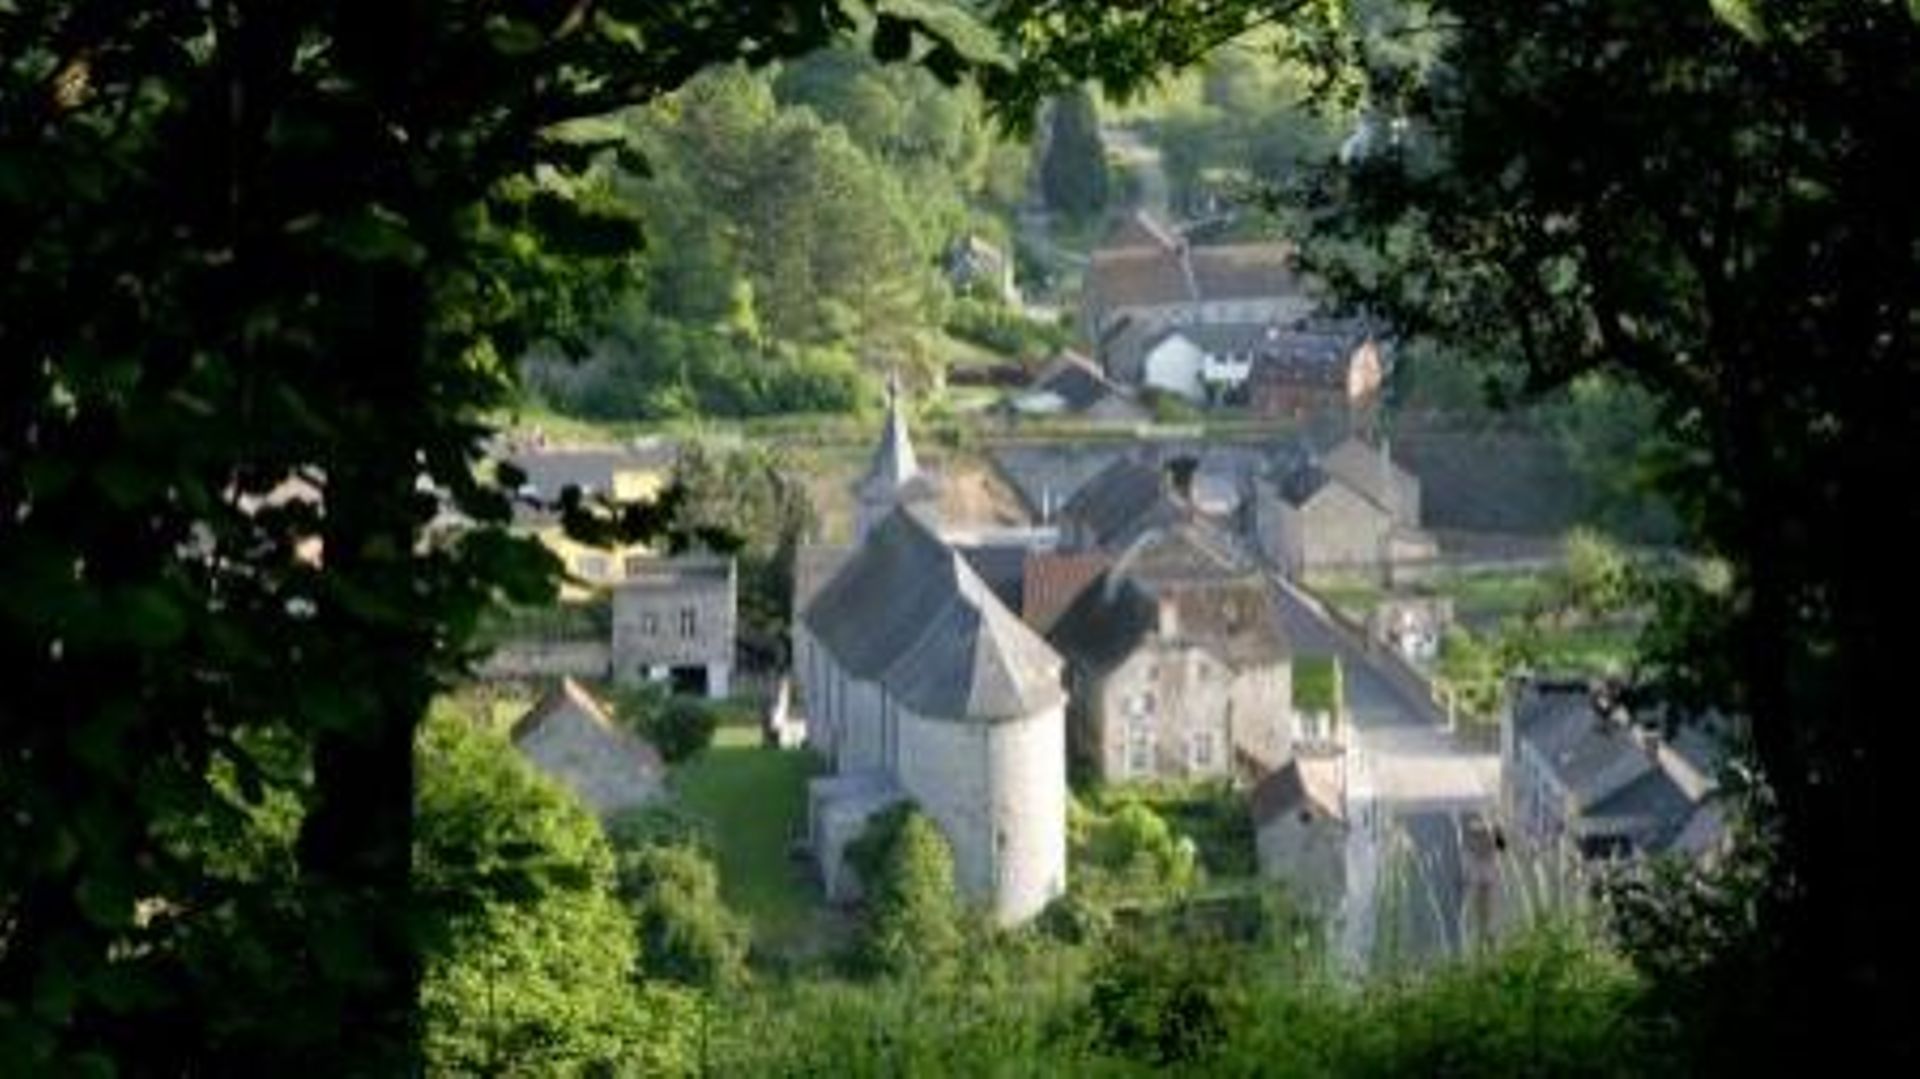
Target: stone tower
{"x":893,"y":478}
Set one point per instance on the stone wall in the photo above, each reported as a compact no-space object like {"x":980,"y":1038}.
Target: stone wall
{"x":651,"y":626}
{"x":998,"y":793}
{"x":1192,"y":696}
{"x":586,"y":757}
{"x":547,"y":659}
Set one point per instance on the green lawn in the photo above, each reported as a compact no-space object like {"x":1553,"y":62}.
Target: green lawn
{"x":755,"y":800}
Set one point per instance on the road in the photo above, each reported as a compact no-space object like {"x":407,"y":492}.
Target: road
{"x":1409,"y":788}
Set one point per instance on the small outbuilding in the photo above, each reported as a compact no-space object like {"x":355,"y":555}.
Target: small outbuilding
{"x":569,"y":736}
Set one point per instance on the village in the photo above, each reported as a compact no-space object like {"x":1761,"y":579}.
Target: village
{"x":1243,"y":625}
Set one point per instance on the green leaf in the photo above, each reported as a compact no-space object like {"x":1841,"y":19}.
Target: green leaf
{"x":151,"y":618}
{"x":105,"y":897}
{"x":373,"y":234}
{"x":1745,"y":19}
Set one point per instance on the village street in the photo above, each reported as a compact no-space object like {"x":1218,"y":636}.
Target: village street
{"x":1408,"y":785}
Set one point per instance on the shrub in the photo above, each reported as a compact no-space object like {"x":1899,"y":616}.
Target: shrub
{"x":678,"y":727}
{"x":687,"y":934}
{"x":913,"y":917}
{"x":1164,"y":1001}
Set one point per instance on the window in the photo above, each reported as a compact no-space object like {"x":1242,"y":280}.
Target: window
{"x":686,"y":622}
{"x":1203,"y":751}
{"x":1140,"y":749}
{"x":650,"y":624}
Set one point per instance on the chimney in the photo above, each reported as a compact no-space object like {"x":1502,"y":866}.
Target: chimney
{"x":1169,"y":616}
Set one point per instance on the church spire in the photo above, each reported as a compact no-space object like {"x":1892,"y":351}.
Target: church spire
{"x":894,"y":475}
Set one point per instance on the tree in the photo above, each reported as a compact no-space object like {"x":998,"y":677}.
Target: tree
{"x":264,"y":264}
{"x":531,"y":954}
{"x":1073,"y":172}
{"x":687,"y":934}
{"x":913,"y":917}
{"x":1714,"y":203}
{"x":679,"y":727}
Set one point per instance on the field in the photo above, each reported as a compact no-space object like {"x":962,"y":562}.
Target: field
{"x":755,"y":801}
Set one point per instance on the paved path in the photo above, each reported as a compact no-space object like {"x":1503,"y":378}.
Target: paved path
{"x":1408,"y":788}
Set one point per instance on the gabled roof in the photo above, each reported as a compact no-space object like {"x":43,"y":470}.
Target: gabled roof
{"x":1309,"y":786}
{"x":1137,"y":277}
{"x":1223,"y":339}
{"x":1359,"y":466}
{"x":1053,"y":580}
{"x":570,"y":694}
{"x":1141,"y":229}
{"x":1244,"y":271}
{"x":1227,"y":611}
{"x":590,"y":468}
{"x":909,"y":613}
{"x":1124,"y":499}
{"x":1075,"y":380}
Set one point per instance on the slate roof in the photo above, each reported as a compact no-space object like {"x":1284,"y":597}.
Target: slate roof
{"x":1306,"y":357}
{"x":1124,"y":499}
{"x":1076,"y":381}
{"x":1618,"y":787}
{"x":1223,"y":339}
{"x":908,"y":612}
{"x":1140,"y":229}
{"x":894,"y":472}
{"x":1244,"y":271}
{"x":1218,"y":606}
{"x":1137,"y":277}
{"x":1003,"y":566}
{"x":571,"y":694}
{"x":550,"y":471}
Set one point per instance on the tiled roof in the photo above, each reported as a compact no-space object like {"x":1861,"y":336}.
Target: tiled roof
{"x":1053,"y":580}
{"x":1300,"y":785}
{"x":909,"y":613}
{"x":1136,"y":277}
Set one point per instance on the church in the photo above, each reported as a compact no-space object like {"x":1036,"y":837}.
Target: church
{"x":921,"y":685}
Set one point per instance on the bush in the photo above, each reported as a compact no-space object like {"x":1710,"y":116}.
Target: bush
{"x":995,"y":326}
{"x":1164,"y":1001}
{"x":1129,"y":852}
{"x":913,"y":917}
{"x":678,"y":727}
{"x":687,"y":934}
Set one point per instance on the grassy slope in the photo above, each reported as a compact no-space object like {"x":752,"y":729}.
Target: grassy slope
{"x":755,"y":799}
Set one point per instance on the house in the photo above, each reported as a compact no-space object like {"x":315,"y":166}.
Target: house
{"x":1582,"y":780}
{"x":674,"y":620}
{"x":1206,"y":361}
{"x":1071,"y":385}
{"x":1122,"y":501}
{"x":635,"y":472}
{"x":1300,"y":828}
{"x":921,"y":684}
{"x":1177,"y":664}
{"x":569,"y":736}
{"x":1301,"y":373}
{"x":1052,"y":580}
{"x":1147,"y":278}
{"x":1351,"y":510}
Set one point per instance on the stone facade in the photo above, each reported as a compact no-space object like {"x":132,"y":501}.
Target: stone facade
{"x":569,"y":736}
{"x":1353,"y":511}
{"x":1172,"y":710}
{"x":674,"y":617}
{"x":1300,"y":829}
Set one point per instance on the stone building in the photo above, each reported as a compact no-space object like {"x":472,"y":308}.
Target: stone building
{"x":1353,"y":510}
{"x":621,"y":474}
{"x":1147,"y":278}
{"x":569,"y":736}
{"x":1300,"y":828}
{"x":1178,"y":666}
{"x":674,"y":620}
{"x":1071,"y":385}
{"x":1319,"y":371}
{"x":1582,"y":780}
{"x":921,"y":684}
